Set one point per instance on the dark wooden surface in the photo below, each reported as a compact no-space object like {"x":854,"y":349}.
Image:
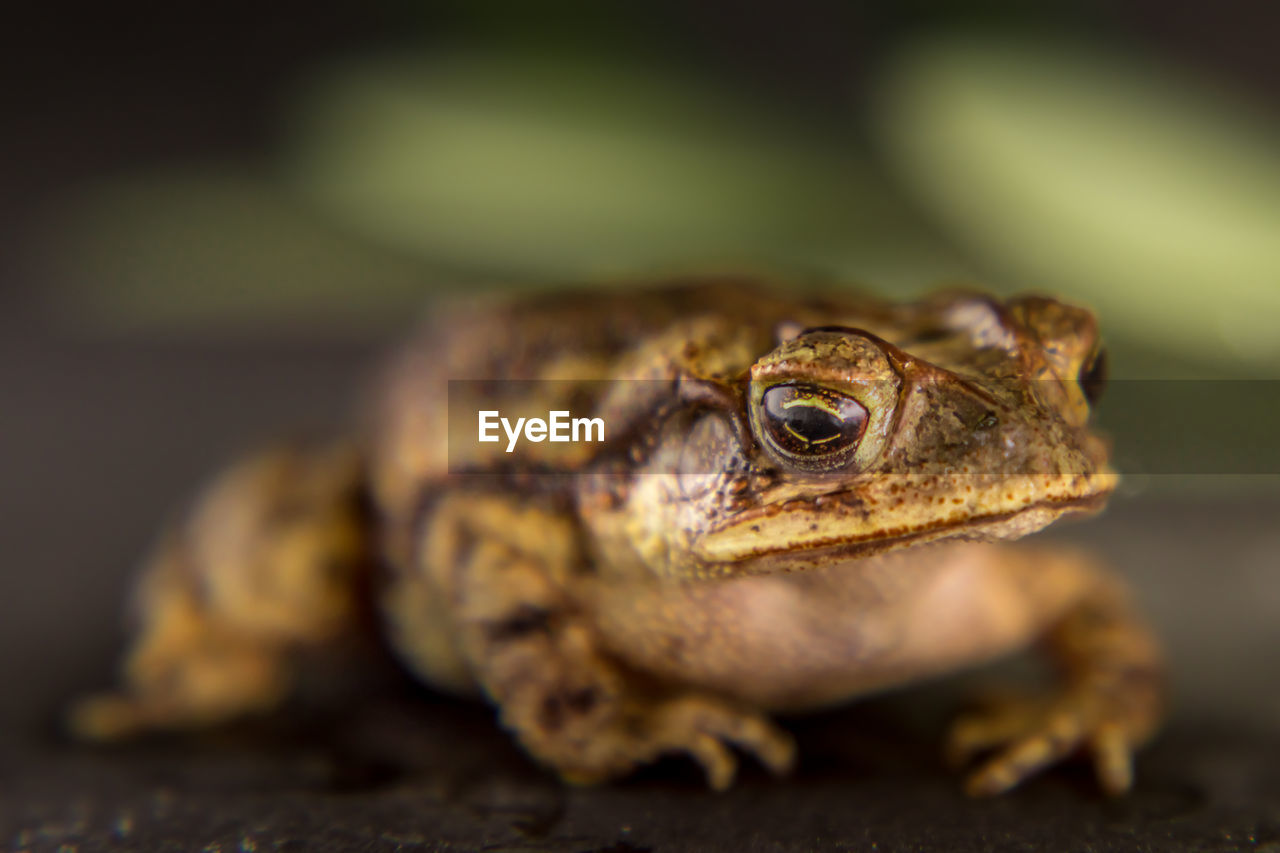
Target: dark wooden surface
{"x":101,"y":441}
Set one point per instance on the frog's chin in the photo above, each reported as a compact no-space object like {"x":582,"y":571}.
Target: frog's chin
{"x":799,"y":540}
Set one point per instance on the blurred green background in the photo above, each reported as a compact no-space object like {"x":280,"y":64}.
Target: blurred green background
{"x":1123,"y":156}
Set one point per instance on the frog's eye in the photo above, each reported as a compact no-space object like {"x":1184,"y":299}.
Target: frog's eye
{"x":1093,"y":377}
{"x":810,"y":427}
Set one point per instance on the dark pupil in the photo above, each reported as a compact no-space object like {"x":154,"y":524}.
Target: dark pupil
{"x":807,"y":421}
{"x":1093,"y":377}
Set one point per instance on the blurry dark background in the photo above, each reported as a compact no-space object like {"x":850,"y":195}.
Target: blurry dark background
{"x":212,"y":220}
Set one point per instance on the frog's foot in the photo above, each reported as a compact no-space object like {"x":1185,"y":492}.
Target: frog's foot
{"x":1027,"y":734}
{"x":1110,"y":698}
{"x":186,"y":693}
{"x":591,"y":719}
{"x":105,"y":717}
{"x":696,"y":724}
{"x":116,"y":716}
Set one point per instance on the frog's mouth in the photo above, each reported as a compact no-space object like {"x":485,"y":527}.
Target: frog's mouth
{"x":805,"y":533}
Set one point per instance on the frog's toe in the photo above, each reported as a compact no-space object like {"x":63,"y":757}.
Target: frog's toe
{"x":701,"y":726}
{"x":716,"y":760}
{"x":1000,"y":718}
{"x":1112,"y":753}
{"x":103,"y":717}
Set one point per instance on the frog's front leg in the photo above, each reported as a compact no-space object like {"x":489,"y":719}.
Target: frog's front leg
{"x":1110,"y":698}
{"x":526,"y":628}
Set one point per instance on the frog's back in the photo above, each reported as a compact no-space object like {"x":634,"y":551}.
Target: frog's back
{"x":521,"y":356}
{"x":578,"y":334}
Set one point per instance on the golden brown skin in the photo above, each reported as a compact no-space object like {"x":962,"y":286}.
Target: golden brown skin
{"x":800,"y":500}
{"x":267,"y":562}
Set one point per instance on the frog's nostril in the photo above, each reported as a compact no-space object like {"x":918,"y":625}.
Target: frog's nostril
{"x":1093,"y":376}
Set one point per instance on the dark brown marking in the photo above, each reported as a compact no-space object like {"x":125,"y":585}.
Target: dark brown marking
{"x":551,"y":713}
{"x":582,"y":701}
{"x":523,"y":621}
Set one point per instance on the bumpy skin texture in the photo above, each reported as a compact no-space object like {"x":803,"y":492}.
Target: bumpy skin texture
{"x":800,"y":500}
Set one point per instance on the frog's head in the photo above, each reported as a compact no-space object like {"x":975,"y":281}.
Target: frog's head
{"x":963,"y":418}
